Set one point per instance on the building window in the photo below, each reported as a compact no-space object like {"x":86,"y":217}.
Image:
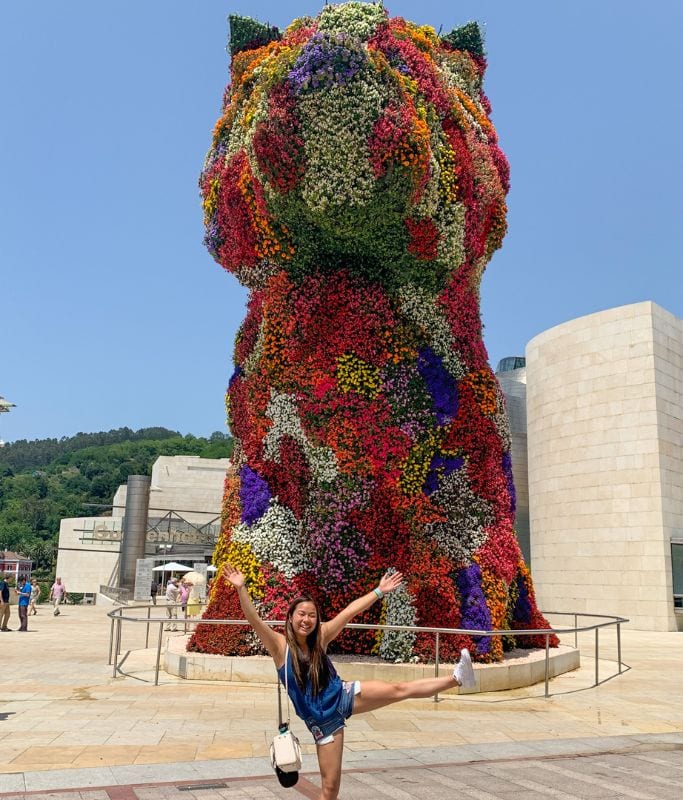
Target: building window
{"x":677,"y":570}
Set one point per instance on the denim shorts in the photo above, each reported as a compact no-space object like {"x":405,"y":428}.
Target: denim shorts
{"x":323,"y":732}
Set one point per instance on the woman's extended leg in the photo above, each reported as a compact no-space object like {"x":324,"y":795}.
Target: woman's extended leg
{"x":375,"y":694}
{"x":330,"y":763}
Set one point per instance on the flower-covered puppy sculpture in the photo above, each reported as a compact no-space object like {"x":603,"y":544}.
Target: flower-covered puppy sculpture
{"x":356,"y":186}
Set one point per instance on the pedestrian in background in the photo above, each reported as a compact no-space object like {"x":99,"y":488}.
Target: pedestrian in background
{"x":57,"y":594}
{"x":35,"y":596}
{"x":4,"y":604}
{"x":154,"y":591}
{"x":185,"y":587}
{"x":24,"y":599}
{"x":172,"y":593}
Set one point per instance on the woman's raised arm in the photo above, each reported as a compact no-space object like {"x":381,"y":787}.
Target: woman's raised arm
{"x":333,"y":627}
{"x":272,"y":641}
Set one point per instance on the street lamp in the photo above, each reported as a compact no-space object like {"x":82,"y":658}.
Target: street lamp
{"x":5,"y":406}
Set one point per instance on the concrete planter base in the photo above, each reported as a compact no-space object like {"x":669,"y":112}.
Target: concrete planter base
{"x":519,"y":668}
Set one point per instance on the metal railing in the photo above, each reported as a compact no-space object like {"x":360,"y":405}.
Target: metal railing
{"x":118,"y":617}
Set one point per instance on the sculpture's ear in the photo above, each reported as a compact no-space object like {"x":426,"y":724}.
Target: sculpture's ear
{"x":248,"y":34}
{"x":467,"y":37}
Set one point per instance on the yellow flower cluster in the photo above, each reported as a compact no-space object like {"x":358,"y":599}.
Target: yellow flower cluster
{"x":268,"y":244}
{"x":401,"y":344}
{"x":467,"y":104}
{"x":211,"y":200}
{"x":448,"y":182}
{"x":356,"y":375}
{"x":379,"y":635}
{"x":484,"y":387}
{"x":416,"y":467}
{"x":242,"y":557}
{"x":496,"y":592}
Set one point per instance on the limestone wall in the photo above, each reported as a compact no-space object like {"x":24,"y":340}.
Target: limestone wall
{"x":605,"y":475}
{"x":190,"y":485}
{"x":88,"y":555}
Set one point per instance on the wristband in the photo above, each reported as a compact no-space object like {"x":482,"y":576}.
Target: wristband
{"x":378,"y":592}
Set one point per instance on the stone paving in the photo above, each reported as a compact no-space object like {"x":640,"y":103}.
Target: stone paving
{"x":67,"y":723}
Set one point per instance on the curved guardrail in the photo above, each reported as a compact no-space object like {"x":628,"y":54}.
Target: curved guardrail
{"x":119,"y":615}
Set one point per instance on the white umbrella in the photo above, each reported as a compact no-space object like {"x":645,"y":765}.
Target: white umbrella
{"x":211,"y":568}
{"x":172,"y":566}
{"x":195,"y":578}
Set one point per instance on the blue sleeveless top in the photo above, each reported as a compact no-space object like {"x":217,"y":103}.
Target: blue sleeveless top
{"x":323,"y":713}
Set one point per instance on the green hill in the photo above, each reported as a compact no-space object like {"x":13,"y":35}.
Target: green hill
{"x":43,"y":480}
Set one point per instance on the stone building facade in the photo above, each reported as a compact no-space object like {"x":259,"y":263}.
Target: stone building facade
{"x":605,"y":456}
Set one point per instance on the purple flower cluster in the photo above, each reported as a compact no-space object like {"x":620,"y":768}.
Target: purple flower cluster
{"x":338,"y":550}
{"x":475,"y":612}
{"x":397,"y":62}
{"x":441,"y":385}
{"x":254,"y":495}
{"x":212,"y":238}
{"x":440,"y":467}
{"x":235,"y":375}
{"x":405,"y":391}
{"x":522,"y":609}
{"x":507,"y":471}
{"x":327,"y":60}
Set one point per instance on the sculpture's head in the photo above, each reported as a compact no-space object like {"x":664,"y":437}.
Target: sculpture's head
{"x":354,"y":141}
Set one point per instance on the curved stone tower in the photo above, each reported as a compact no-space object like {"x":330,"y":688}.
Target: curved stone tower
{"x":356,"y":186}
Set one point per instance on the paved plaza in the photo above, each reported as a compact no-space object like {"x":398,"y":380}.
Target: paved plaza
{"x":69,"y":729}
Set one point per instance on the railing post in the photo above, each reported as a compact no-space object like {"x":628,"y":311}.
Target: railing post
{"x":156,"y":668}
{"x":436,"y":663}
{"x":147,"y":629}
{"x":619,"y":645}
{"x":117,"y":645}
{"x":597,"y":656}
{"x":576,"y":633}
{"x":547,"y":664}
{"x":111,"y":640}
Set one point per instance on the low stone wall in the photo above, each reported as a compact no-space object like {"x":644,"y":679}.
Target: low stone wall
{"x":519,"y":668}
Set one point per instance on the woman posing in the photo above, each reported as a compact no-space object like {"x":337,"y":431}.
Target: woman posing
{"x":319,"y":696}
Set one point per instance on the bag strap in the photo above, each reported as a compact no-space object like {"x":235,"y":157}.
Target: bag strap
{"x":280,"y":723}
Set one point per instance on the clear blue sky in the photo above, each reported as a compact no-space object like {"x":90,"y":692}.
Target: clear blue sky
{"x":112,"y":313}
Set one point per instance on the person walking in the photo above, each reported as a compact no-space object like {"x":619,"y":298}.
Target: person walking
{"x":24,"y":593}
{"x":183,"y":594}
{"x":57,"y":594}
{"x":319,"y":696}
{"x":172,"y":593}
{"x":35,"y":596}
{"x":4,"y":604}
{"x":154,"y":591}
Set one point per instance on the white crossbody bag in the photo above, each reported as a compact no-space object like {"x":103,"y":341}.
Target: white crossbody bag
{"x":285,"y":751}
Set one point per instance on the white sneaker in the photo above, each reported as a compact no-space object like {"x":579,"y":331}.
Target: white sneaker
{"x":464,"y":672}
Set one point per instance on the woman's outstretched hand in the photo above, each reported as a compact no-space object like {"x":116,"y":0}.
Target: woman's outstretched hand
{"x":234,"y":576}
{"x":390,"y":581}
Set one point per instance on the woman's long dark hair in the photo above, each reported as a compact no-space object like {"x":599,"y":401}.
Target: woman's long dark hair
{"x":316,"y":667}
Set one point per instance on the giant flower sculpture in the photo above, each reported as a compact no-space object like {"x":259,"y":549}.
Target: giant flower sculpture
{"x":355,"y":185}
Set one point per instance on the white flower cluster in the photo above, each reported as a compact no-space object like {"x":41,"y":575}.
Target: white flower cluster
{"x":336,"y":126}
{"x":420,"y":307}
{"x":398,"y":645}
{"x":502,"y":421}
{"x":356,"y":19}
{"x":429,"y":200}
{"x":468,"y":517}
{"x":252,"y":360}
{"x":257,"y":276}
{"x":282,"y":410}
{"x":450,"y":222}
{"x":457,"y":71}
{"x":276,"y":538}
